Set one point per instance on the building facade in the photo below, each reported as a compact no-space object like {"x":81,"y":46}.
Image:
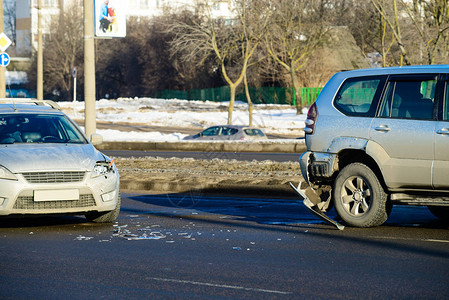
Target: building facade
{"x":27,"y":15}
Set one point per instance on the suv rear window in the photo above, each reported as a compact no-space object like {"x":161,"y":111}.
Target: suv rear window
{"x":356,"y":96}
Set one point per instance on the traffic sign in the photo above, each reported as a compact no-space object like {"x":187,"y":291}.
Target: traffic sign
{"x":4,"y":59}
{"x":5,"y":42}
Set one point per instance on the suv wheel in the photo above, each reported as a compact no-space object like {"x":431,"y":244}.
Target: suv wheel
{"x":359,"y":198}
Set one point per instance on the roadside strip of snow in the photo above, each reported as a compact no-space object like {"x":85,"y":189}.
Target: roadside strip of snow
{"x":273,"y":119}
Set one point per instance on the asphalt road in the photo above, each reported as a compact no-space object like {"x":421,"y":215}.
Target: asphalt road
{"x":206,"y":247}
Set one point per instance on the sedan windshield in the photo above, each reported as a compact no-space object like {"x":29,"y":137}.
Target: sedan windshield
{"x":38,"y":128}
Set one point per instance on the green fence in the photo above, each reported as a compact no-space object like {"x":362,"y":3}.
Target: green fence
{"x":357,"y":96}
{"x":259,"y":95}
{"x":309,"y":95}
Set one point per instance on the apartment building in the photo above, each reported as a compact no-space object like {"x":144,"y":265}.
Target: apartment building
{"x":27,"y":15}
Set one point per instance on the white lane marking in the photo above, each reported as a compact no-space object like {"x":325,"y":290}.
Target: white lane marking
{"x":410,"y":239}
{"x":219,"y":285}
{"x":437,"y":241}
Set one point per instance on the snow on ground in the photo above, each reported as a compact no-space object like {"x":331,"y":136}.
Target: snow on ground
{"x":273,"y":119}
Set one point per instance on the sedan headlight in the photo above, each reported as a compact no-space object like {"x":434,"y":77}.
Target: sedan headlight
{"x":6,"y":174}
{"x":103,"y":168}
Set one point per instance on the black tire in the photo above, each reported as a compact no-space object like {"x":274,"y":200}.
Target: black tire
{"x":105,"y":217}
{"x":359,"y":198}
{"x":441,"y":212}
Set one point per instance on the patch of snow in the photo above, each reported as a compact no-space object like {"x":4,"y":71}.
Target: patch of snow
{"x":273,"y":119}
{"x":16,"y":77}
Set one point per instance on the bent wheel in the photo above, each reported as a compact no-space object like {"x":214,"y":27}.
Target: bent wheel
{"x":359,"y":198}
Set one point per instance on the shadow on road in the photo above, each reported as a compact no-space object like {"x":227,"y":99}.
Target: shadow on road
{"x":267,"y":209}
{"x":49,"y":221}
{"x":289,"y":216}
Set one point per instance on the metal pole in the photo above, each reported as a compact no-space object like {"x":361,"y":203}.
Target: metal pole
{"x":40,"y":56}
{"x":89,"y":68}
{"x":2,"y":70}
{"x":74,"y":89}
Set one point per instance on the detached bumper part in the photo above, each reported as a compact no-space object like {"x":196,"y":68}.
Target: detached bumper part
{"x":316,"y":165}
{"x":305,"y":193}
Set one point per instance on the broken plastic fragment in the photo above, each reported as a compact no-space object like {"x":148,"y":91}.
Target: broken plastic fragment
{"x":83,"y":238}
{"x":312,"y":207}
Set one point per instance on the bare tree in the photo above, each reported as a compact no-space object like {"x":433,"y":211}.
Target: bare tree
{"x":390,"y":13}
{"x":297,"y":29}
{"x":137,"y":65}
{"x":431,"y":21}
{"x":162,"y":67}
{"x":63,"y":50}
{"x":420,"y":28}
{"x":374,"y":32}
{"x":231,"y":42}
{"x":9,"y":19}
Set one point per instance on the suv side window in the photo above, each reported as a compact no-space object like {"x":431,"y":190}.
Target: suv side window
{"x":409,"y":98}
{"x":357,"y":96}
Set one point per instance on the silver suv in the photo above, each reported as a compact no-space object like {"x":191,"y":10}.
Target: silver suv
{"x":379,"y":137}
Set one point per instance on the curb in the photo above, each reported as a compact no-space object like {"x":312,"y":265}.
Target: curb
{"x":280,"y":190}
{"x":278,"y":146}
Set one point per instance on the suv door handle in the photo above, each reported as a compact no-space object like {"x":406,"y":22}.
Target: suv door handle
{"x":443,"y":131}
{"x":383,"y":128}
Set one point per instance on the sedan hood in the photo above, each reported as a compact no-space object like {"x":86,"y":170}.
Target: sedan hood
{"x":51,"y":157}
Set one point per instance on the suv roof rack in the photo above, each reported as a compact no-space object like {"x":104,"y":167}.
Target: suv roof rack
{"x":13,"y":101}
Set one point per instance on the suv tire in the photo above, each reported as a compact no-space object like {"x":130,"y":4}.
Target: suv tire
{"x":359,"y":198}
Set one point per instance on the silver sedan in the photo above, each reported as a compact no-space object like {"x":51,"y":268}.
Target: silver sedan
{"x":229,"y":132}
{"x":47,"y":165}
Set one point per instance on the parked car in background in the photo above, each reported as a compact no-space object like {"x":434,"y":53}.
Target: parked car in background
{"x":229,"y":132}
{"x":48,"y":166}
{"x":380,"y":137}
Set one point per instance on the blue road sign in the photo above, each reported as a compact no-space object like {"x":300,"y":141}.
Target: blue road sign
{"x":4,"y":59}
